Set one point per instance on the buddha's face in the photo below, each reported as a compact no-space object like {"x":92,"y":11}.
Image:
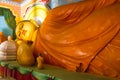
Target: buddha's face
{"x":25,"y":30}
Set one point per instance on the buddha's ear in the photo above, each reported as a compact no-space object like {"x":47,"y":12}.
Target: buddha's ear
{"x":33,"y":21}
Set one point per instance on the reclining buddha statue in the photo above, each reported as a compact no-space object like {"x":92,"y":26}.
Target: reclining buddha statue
{"x":83,"y":37}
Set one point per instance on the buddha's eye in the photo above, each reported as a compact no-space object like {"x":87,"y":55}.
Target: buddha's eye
{"x":19,"y":33}
{"x":21,"y":26}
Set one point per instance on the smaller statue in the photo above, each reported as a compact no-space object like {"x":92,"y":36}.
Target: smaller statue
{"x":40,"y":61}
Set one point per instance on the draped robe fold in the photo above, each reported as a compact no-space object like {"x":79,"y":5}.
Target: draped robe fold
{"x":82,"y":36}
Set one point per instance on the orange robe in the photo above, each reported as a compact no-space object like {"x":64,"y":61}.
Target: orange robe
{"x":82,"y":36}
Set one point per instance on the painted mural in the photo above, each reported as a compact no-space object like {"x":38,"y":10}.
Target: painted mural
{"x":7,"y":22}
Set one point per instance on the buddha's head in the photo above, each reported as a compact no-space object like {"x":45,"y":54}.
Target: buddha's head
{"x":25,"y":30}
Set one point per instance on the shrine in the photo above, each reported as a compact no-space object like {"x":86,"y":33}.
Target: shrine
{"x":59,"y":39}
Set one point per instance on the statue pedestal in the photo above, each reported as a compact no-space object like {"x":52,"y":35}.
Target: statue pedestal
{"x":49,"y":72}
